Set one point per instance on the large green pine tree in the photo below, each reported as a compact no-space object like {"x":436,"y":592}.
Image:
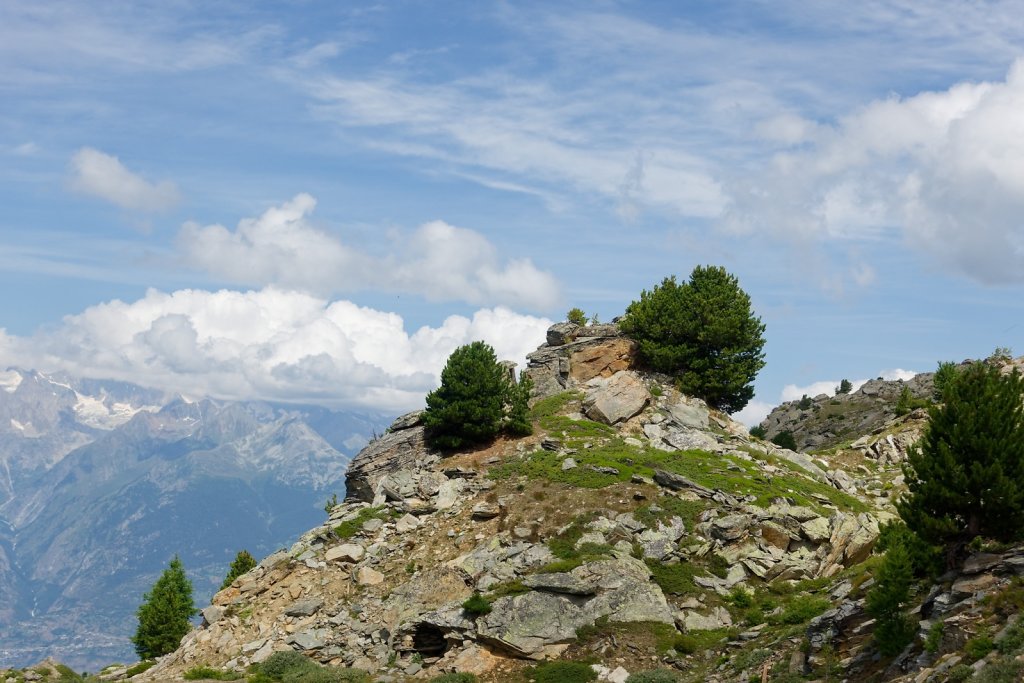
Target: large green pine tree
{"x":888,"y":598}
{"x":164,"y":614}
{"x":965,"y":478}
{"x":704,"y":333}
{"x":469,"y":406}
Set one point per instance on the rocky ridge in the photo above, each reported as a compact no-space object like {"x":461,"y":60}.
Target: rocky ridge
{"x":631,"y":504}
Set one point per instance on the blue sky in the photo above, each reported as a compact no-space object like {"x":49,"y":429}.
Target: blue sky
{"x":317,"y":201}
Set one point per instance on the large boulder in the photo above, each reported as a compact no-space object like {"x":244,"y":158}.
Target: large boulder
{"x":403,"y":447}
{"x":618,"y":589}
{"x":615,"y":399}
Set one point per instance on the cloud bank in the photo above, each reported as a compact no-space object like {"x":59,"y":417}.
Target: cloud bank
{"x":269,"y":344}
{"x":104,"y":176}
{"x":437,"y":261}
{"x":942,"y":171}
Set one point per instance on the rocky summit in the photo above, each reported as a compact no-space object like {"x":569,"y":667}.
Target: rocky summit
{"x":636,"y":530}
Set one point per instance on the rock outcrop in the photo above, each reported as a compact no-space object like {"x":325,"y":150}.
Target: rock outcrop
{"x":403,"y":446}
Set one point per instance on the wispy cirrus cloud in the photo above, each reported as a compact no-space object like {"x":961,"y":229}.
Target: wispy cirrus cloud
{"x":104,"y":176}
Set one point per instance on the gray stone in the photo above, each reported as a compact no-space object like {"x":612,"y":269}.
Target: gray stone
{"x":407,"y":523}
{"x":312,"y":639}
{"x":526,"y":624}
{"x":691,"y":439}
{"x":693,"y":415}
{"x":346,"y":552}
{"x":213,"y":613}
{"x":816,"y":530}
{"x":568,"y":464}
{"x":980,"y":562}
{"x":618,"y":398}
{"x":695,"y":621}
{"x":485,"y":510}
{"x":561,"y":582}
{"x":448,"y":494}
{"x":367,"y":576}
{"x":678,"y":482}
{"x":304,"y":608}
{"x":561,"y":334}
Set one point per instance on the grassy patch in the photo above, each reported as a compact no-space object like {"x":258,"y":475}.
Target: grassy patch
{"x":553,"y":405}
{"x":351,"y":527}
{"x":671,"y":506}
{"x":203,"y":673}
{"x":563,"y":672}
{"x":801,"y":609}
{"x":140,"y":667}
{"x":663,"y":635}
{"x":675,"y":579}
{"x":702,"y":641}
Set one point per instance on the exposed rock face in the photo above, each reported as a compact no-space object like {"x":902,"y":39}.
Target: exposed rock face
{"x":572,"y":357}
{"x":404,"y":446}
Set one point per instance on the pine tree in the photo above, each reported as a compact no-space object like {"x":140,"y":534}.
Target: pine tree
{"x":704,"y":333}
{"x":518,"y":421}
{"x":164,"y":614}
{"x":888,"y":598}
{"x":965,"y":477}
{"x":243,"y":563}
{"x":469,"y":406}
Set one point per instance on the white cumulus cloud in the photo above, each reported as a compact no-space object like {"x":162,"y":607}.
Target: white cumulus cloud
{"x":104,"y":176}
{"x":269,"y":344}
{"x":437,"y":261}
{"x":943,"y":171}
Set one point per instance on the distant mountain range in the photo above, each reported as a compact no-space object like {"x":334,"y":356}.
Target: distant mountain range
{"x":101,"y":483}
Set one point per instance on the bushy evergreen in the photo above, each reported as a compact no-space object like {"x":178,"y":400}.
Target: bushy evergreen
{"x":576,"y":316}
{"x":887,"y":600}
{"x":785,"y":439}
{"x":965,"y":477}
{"x":164,"y":614}
{"x":704,"y":333}
{"x":243,"y":563}
{"x":844,"y":387}
{"x":476,"y":400}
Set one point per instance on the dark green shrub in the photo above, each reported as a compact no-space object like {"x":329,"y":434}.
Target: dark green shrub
{"x":925,"y":560}
{"x":933,"y":640}
{"x":801,"y":609}
{"x":703,"y":332}
{"x":517,"y":422}
{"x":201,"y":673}
{"x":563,"y":672}
{"x":978,"y":646}
{"x":785,"y":439}
{"x":758,"y":431}
{"x":577,"y":317}
{"x":455,"y":678}
{"x":280,"y":664}
{"x":476,"y":605}
{"x":805,"y":402}
{"x":959,"y":673}
{"x":844,"y":387}
{"x":1013,"y":642}
{"x":243,"y":563}
{"x":653,"y":676}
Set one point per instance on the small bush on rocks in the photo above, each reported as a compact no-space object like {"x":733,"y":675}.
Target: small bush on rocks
{"x":455,"y":678}
{"x":563,"y":672}
{"x":206,"y":673}
{"x":476,"y":605}
{"x":653,"y":676}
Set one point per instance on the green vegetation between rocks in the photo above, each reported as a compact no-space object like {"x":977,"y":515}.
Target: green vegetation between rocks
{"x":294,"y":667}
{"x":202,"y":673}
{"x":562,"y":672}
{"x":351,"y":527}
